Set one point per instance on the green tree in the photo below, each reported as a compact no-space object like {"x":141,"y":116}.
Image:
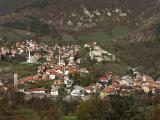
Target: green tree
{"x":126,"y":108}
{"x":94,"y":109}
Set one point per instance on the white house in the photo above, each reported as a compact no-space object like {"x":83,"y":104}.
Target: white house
{"x":31,"y":59}
{"x":78,"y":91}
{"x":38,"y":90}
{"x":54,"y":91}
{"x":68,"y":82}
{"x":52,"y":76}
{"x":84,"y":70}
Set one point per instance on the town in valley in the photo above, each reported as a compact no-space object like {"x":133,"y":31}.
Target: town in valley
{"x":59,"y":67}
{"x":79,"y":60}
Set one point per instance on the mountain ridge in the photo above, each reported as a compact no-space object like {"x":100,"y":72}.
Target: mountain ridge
{"x":90,"y":15}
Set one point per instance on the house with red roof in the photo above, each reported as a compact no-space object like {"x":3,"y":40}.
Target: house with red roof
{"x":13,"y":52}
{"x":110,"y":90}
{"x":90,"y":89}
{"x":58,"y":83}
{"x":38,"y":90}
{"x":30,"y":79}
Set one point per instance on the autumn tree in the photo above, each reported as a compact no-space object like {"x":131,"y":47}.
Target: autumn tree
{"x":156,"y":113}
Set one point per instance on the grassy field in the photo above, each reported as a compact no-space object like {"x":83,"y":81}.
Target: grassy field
{"x":95,"y":36}
{"x":12,"y":36}
{"x":8,"y":34}
{"x":102,"y":37}
{"x":120,"y":31}
{"x":22,"y":69}
{"x":69,"y":118}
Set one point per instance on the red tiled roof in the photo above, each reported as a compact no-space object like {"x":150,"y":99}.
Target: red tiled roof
{"x":150,"y":86}
{"x":152,"y":82}
{"x":32,"y":78}
{"x":103,"y":78}
{"x":38,"y":89}
{"x":57,"y":67}
{"x":116,"y":85}
{"x":58,"y":82}
{"x":29,"y":78}
{"x":137,"y":80}
{"x":124,"y":86}
{"x":51,"y":71}
{"x":109,"y":89}
{"x":72,"y":70}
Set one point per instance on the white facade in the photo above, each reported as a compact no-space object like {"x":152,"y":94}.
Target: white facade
{"x":52,"y":76}
{"x":39,"y":92}
{"x":54,"y":93}
{"x":78,"y":91}
{"x":31,"y":59}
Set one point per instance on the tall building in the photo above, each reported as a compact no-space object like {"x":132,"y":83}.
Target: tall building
{"x":15,"y":80}
{"x":59,"y":58}
{"x":31,"y":59}
{"x":29,"y":55}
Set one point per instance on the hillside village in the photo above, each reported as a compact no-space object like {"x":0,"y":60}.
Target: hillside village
{"x":79,"y":60}
{"x":58,"y":66}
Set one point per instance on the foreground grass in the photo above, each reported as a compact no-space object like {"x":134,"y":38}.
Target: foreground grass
{"x":69,"y":118}
{"x":27,"y":114}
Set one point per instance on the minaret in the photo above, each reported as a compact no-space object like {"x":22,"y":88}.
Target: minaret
{"x":90,"y":50}
{"x":90,"y":53}
{"x":29,"y":51}
{"x":29,"y":55}
{"x":15,"y":80}
{"x":59,"y":58}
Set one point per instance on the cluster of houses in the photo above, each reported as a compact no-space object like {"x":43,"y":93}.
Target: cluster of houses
{"x":58,"y":63}
{"x":107,"y":85}
{"x":36,"y":53}
{"x":55,"y":64}
{"x":127,"y":85}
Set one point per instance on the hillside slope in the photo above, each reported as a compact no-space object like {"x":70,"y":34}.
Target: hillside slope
{"x":7,"y":6}
{"x":76,"y":15}
{"x":85,"y":16}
